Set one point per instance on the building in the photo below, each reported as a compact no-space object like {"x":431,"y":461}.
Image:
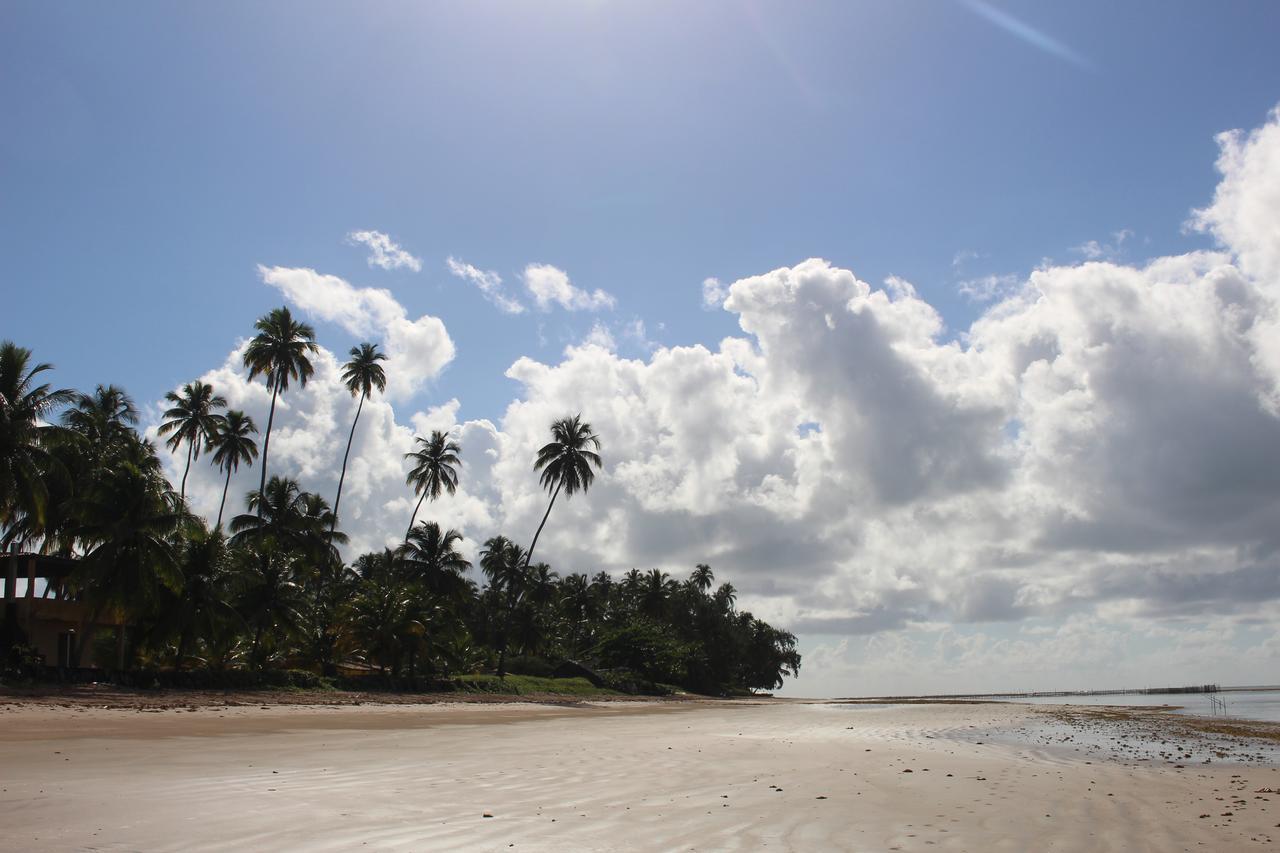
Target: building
{"x":46,"y":615}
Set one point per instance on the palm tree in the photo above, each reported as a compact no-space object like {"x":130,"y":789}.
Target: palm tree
{"x":431,"y":555}
{"x":129,"y":519}
{"x":433,"y":471}
{"x":191,"y":421}
{"x":276,"y":517}
{"x":566,"y":463}
{"x":269,"y":599}
{"x":24,"y":407}
{"x":702,"y":578}
{"x":279,"y":353}
{"x":232,"y":444}
{"x":103,"y":423}
{"x":200,"y":609}
{"x":361,"y":375}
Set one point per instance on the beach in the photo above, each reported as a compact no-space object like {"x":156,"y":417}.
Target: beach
{"x":691,"y":775}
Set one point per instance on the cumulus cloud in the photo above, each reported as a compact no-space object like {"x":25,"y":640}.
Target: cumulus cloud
{"x":1095,"y":250}
{"x":713,"y":293}
{"x":549,"y":285}
{"x":417,"y":350}
{"x":383,"y":251}
{"x":1083,"y":476}
{"x":988,"y":287}
{"x":489,"y":284}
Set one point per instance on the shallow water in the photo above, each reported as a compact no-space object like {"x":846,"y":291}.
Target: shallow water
{"x":1245,"y":704}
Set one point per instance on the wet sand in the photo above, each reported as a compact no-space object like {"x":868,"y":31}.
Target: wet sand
{"x":618,"y":776}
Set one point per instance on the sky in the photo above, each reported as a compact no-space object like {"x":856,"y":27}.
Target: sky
{"x":945,"y":331}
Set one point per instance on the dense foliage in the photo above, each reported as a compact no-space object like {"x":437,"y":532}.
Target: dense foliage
{"x":270,"y":592}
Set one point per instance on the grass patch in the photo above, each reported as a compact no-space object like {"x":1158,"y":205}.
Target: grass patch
{"x":527,"y":685}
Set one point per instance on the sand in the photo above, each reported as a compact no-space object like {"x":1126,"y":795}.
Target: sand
{"x":618,"y":776}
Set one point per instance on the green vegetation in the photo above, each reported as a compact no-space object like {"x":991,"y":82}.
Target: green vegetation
{"x":269,"y":601}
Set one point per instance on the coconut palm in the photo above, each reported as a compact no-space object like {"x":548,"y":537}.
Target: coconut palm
{"x":276,"y":517}
{"x":24,"y":457}
{"x":102,"y":423}
{"x":433,"y":471}
{"x":279,"y":353}
{"x":430,"y":555}
{"x":191,"y":421}
{"x":268,"y":597}
{"x":201,"y":607}
{"x":362,"y":374}
{"x":129,"y":519}
{"x":319,"y":534}
{"x":232,"y":444}
{"x":702,"y":578}
{"x":566,"y":463}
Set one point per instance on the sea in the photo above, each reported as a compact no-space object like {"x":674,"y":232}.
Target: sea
{"x":1253,"y":704}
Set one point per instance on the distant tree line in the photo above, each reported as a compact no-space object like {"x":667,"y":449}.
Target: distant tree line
{"x":268,"y":590}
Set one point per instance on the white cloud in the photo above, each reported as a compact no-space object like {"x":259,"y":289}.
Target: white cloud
{"x":713,"y":293}
{"x":988,"y":287}
{"x":1077,"y":483}
{"x":1094,"y":250}
{"x":417,"y":350}
{"x":550,"y":285}
{"x":384,"y":253}
{"x":489,"y":284}
{"x":601,"y":337}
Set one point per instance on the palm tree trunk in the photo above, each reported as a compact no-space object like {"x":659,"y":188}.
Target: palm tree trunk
{"x":225,"y":486}
{"x":191,"y":445}
{"x":337,"y":499}
{"x":529,"y":557}
{"x":506,"y":619}
{"x":414,"y":517}
{"x":266,"y":446}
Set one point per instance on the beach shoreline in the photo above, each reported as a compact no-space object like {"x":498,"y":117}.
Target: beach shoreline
{"x":590,"y":775}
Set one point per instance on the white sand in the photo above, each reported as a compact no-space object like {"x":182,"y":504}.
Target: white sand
{"x":650,"y":777}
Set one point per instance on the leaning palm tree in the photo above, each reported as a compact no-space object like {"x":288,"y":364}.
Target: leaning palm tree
{"x":191,"y":421}
{"x":279,"y":353}
{"x":433,"y":471}
{"x":361,"y":375}
{"x":565,"y":463}
{"x":24,"y":433}
{"x":232,"y":443}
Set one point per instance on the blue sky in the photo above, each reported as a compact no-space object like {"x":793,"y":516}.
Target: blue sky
{"x":1072,"y":496}
{"x":154,"y":153}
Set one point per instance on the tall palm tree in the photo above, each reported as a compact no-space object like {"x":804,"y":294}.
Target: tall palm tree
{"x":24,"y":457}
{"x":566,"y":463}
{"x":433,"y":471}
{"x":191,"y":420}
{"x":232,"y":444}
{"x":361,"y":375}
{"x":279,"y":353}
